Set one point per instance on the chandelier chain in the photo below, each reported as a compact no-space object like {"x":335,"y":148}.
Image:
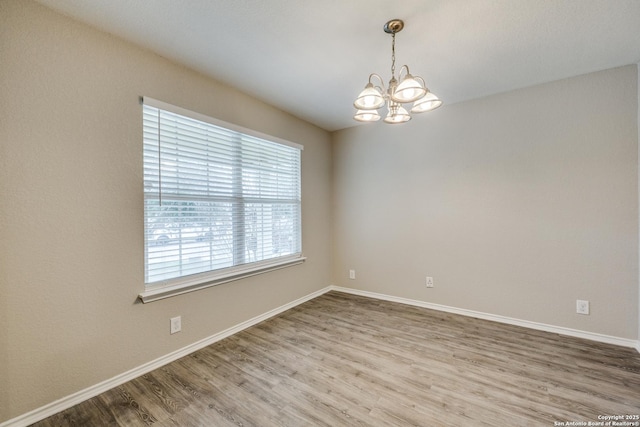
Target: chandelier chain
{"x":393,"y":55}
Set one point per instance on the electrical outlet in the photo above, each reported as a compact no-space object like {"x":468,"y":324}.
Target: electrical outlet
{"x":176,"y":324}
{"x":582,"y":307}
{"x":352,"y":274}
{"x":429,"y":282}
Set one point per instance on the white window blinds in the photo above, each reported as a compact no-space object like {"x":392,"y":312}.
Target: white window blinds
{"x":216,"y":199}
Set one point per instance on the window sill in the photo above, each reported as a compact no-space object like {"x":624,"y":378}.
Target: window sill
{"x":202,"y":281}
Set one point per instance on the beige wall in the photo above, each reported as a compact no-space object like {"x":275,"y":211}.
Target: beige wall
{"x":71,"y":236}
{"x":517,"y":204}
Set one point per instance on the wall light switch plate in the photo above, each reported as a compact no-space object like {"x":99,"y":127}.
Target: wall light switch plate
{"x":176,"y":324}
{"x":352,"y":274}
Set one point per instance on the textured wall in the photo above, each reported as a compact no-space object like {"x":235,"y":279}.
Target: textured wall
{"x":517,"y":204}
{"x":71,"y":211}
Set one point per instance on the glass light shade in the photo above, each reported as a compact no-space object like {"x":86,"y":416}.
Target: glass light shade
{"x":369,"y":99}
{"x":397,"y":114}
{"x":367,"y":116}
{"x":408,"y":90}
{"x":427,"y":103}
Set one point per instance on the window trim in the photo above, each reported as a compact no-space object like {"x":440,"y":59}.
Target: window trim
{"x":178,"y":286}
{"x":206,"y":280}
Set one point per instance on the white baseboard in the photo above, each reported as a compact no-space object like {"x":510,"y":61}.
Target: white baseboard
{"x":624,"y":342}
{"x":82,"y":395}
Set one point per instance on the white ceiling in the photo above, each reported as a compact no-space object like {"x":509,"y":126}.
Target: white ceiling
{"x":312,"y":57}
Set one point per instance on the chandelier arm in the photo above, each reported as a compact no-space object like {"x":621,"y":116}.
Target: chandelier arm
{"x":381,"y":87}
{"x":424,"y":84}
{"x":406,"y":70}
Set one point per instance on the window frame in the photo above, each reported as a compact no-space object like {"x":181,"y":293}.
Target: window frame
{"x":180,"y":285}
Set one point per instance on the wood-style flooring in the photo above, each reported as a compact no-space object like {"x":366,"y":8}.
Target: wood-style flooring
{"x":345,"y":360}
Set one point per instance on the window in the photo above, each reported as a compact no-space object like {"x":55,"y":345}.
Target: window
{"x":220,"y":202}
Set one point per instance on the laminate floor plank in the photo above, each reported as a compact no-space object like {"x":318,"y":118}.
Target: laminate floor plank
{"x":345,"y":360}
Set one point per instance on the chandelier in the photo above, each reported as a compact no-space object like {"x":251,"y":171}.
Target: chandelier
{"x":405,"y":90}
